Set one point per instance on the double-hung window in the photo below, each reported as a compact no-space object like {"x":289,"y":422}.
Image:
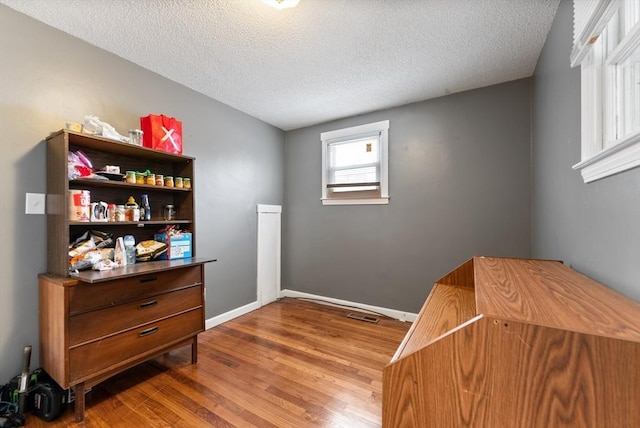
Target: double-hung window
{"x":355,"y":165}
{"x":607,"y":47}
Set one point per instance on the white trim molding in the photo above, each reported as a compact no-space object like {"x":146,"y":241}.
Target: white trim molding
{"x":393,"y":313}
{"x":621,"y":157}
{"x":276,"y":209}
{"x":355,"y":201}
{"x":228,"y":316}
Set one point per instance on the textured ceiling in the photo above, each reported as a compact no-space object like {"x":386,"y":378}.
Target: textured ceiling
{"x":322,"y":60}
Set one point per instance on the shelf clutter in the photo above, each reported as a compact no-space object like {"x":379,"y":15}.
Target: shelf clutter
{"x":513,"y":343}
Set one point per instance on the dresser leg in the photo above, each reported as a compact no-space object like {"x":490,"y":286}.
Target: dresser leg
{"x":78,"y":391}
{"x":194,"y":350}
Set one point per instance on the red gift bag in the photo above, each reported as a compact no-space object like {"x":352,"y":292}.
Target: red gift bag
{"x":162,"y":133}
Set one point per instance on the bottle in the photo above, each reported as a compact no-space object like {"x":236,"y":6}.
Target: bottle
{"x":130,"y":249}
{"x":132,"y":212}
{"x":145,"y":208}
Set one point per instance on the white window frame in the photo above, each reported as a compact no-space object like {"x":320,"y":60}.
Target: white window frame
{"x":382,"y":128}
{"x":603,"y":152}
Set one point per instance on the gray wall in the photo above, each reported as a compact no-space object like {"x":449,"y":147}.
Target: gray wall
{"x":459,"y":174}
{"x":48,"y":77}
{"x":594,"y":227}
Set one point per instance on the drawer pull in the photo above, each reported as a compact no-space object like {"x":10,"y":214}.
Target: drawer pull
{"x":148,"y":304}
{"x":148,"y":331}
{"x":148,"y":279}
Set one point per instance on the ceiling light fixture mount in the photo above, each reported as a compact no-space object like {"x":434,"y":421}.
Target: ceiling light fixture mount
{"x":281,"y":4}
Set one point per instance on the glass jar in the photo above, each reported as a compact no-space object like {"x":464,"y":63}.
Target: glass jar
{"x":135,"y":136}
{"x":130,"y":177}
{"x":186,"y":182}
{"x":119,"y":213}
{"x":159,"y":180}
{"x":169,"y":213}
{"x":178,"y":182}
{"x":151,"y":179}
{"x":168,"y":181}
{"x":139,"y":177}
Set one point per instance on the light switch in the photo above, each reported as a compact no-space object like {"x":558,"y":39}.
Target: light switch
{"x":34,"y":203}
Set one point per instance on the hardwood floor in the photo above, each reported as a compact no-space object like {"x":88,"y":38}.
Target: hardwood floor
{"x":291,"y":363}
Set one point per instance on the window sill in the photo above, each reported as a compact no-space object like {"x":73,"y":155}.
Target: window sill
{"x":355,"y":201}
{"x":621,"y":157}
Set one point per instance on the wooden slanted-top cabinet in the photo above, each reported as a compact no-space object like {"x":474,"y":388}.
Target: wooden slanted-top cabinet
{"x":517,"y":343}
{"x":96,"y":324}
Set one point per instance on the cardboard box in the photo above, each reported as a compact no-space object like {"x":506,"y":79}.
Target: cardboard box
{"x":178,"y":246}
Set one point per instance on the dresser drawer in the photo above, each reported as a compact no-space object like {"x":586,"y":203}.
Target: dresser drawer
{"x":107,"y":353}
{"x":103,"y":322}
{"x":87,"y":297}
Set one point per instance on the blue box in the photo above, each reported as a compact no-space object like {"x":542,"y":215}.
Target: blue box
{"x":178,"y":246}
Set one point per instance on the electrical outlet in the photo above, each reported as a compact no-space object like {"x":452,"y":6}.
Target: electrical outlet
{"x":34,"y":203}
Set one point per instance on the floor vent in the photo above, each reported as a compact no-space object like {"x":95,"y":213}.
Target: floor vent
{"x":363,"y":317}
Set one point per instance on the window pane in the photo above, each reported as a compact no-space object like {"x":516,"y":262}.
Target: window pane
{"x":628,"y":88}
{"x":355,"y":152}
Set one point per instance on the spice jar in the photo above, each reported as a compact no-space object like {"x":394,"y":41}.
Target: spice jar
{"x":159,"y":180}
{"x":120,"y":213}
{"x":151,"y":179}
{"x":135,"y":136}
{"x":178,"y":182}
{"x":168,"y":181}
{"x":186,"y":183}
{"x":139,"y":177}
{"x":130,"y":177}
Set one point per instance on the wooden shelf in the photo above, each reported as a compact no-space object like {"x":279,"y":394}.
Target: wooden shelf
{"x":94,"y":182}
{"x":141,"y":268}
{"x":102,"y":151}
{"x":117,"y":147}
{"x":517,"y":343}
{"x":128,"y":223}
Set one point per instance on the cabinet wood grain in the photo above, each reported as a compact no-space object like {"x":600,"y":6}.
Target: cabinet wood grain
{"x":546,"y":347}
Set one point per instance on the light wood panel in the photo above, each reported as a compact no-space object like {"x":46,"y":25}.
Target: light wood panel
{"x":289,"y":364}
{"x":546,"y":347}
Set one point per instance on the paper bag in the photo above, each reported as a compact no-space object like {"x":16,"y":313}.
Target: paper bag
{"x":162,"y":133}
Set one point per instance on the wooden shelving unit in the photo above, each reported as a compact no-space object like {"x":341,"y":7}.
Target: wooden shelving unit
{"x":517,"y":343}
{"x":95,"y":324}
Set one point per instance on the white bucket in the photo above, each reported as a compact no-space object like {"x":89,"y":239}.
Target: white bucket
{"x":79,"y":205}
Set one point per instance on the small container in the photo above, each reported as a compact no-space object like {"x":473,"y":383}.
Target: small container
{"x":140,"y":178}
{"x":186,"y":183}
{"x":132,"y":210}
{"x":168,"y":181}
{"x":178,"y":182}
{"x":130,"y":177}
{"x":159,"y":180}
{"x":111,"y":209}
{"x":135,"y":136}
{"x":120,"y":213}
{"x":151,"y":179}
{"x":169,"y":213}
{"x":130,"y":249}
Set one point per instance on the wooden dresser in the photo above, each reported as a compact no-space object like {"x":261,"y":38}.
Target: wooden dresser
{"x":95,"y":324}
{"x":517,"y":343}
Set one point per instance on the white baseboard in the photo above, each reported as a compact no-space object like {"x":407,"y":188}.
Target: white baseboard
{"x":228,"y":316}
{"x":399,"y":315}
{"x":234,"y":313}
